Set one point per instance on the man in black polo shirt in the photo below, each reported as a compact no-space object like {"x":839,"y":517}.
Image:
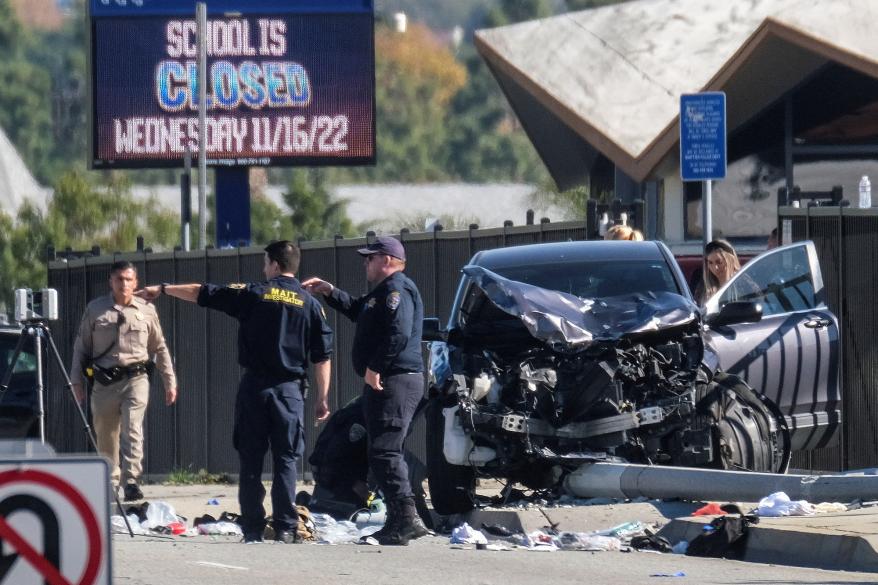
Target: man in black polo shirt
{"x":387,"y":353}
{"x":281,"y":328}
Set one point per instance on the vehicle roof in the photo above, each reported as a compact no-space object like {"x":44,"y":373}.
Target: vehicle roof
{"x":562,"y":252}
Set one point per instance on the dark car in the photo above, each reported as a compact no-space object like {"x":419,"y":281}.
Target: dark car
{"x":561,"y":354}
{"x":18,"y":405}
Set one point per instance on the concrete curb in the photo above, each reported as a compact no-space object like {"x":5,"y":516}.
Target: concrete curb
{"x":846,"y":541}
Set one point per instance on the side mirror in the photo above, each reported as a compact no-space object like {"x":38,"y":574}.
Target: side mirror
{"x":432,"y":330}
{"x":736,"y":312}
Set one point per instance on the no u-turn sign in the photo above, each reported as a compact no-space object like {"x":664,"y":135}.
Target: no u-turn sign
{"x":54,"y":522}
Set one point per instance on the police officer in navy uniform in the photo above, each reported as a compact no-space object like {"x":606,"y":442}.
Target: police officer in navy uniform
{"x":387,"y":353}
{"x":281,"y":328}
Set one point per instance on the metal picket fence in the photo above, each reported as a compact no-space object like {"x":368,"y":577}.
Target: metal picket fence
{"x":196,"y":433}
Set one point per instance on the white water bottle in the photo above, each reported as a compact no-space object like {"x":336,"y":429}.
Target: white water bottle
{"x":865,"y":193}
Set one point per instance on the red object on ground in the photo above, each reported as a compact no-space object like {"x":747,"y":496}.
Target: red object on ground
{"x":711,"y":509}
{"x":177,"y":527}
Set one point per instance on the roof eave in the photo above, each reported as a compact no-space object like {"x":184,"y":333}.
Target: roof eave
{"x":639,"y":167}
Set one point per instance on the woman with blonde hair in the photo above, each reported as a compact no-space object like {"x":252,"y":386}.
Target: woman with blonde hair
{"x":719,"y":263}
{"x":623,"y":232}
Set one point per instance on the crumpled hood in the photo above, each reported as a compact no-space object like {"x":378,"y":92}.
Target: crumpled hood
{"x":565,"y":321}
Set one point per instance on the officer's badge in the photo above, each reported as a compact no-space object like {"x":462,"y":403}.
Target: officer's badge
{"x":139,"y":316}
{"x":393,"y":300}
{"x":356,"y":433}
{"x":370,"y":303}
{"x":237,"y":285}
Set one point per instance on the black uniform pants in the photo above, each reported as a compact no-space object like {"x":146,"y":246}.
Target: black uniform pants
{"x":389,"y":413}
{"x":266,"y":414}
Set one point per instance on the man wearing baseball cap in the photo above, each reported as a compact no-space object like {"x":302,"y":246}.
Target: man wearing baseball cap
{"x":387,"y":354}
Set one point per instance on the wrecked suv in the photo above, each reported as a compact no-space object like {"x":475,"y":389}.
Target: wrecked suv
{"x":561,"y":354}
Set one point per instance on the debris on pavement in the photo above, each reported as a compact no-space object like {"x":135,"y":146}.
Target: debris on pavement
{"x":711,"y":509}
{"x":220,"y":528}
{"x":651,"y":543}
{"x":677,"y":574}
{"x":159,"y":514}
{"x":725,"y":537}
{"x":779,"y":504}
{"x":119,"y":527}
{"x":332,"y":531}
{"x":498,"y":530}
{"x":466,"y":534}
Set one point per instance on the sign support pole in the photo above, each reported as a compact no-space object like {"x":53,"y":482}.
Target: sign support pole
{"x":201,"y":26}
{"x":707,"y":211}
{"x":186,"y":201}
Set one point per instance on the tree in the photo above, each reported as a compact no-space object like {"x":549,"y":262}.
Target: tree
{"x":266,"y":220}
{"x":512,"y":11}
{"x":314,"y":215}
{"x":485,"y":141}
{"x":573,"y":5}
{"x":80,"y":214}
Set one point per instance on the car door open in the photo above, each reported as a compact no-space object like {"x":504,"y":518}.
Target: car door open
{"x":791,"y":353}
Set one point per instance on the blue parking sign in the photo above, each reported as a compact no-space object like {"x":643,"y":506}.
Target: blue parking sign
{"x":703,"y":136}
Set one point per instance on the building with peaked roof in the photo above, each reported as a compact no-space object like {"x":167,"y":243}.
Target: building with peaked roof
{"x":598,"y":93}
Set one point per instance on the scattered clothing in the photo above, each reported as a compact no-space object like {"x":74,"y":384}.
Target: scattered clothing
{"x":651,"y":542}
{"x":725,"y":537}
{"x":711,"y":509}
{"x":779,"y":504}
{"x":466,"y":534}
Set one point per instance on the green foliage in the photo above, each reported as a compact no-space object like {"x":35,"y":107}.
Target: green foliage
{"x":484,"y":140}
{"x":80,"y":214}
{"x":572,"y":202}
{"x":266,"y":221}
{"x":512,"y":11}
{"x":415,"y":222}
{"x":573,"y":5}
{"x":443,"y":14}
{"x":314,"y":215}
{"x":200,"y":477}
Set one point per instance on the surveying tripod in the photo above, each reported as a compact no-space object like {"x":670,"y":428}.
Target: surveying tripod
{"x":38,"y":331}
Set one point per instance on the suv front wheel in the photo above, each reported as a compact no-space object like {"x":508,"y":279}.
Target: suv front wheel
{"x":452,"y":487}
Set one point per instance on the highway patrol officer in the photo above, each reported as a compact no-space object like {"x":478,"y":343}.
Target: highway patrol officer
{"x":281,"y":328}
{"x":117,"y":335}
{"x":387,"y":353}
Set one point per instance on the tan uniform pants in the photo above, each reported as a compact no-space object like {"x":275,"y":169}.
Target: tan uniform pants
{"x":118,"y":411}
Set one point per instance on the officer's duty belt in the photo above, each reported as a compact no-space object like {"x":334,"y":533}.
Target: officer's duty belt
{"x":107,"y":376}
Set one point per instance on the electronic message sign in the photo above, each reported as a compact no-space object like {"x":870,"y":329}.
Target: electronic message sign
{"x":289,"y":82}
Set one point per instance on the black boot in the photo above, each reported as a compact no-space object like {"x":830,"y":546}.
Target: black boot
{"x":408,"y":525}
{"x":391,"y":520}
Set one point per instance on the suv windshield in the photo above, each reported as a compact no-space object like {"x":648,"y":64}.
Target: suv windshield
{"x":596,"y":279}
{"x":27,"y":361}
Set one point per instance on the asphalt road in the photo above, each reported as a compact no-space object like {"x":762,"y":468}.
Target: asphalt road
{"x":428,"y":561}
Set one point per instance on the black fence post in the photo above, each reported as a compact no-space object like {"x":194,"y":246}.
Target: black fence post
{"x":437,"y":227}
{"x":639,"y":212}
{"x":591,"y":219}
{"x":529,"y":217}
{"x":543,"y":222}
{"x":470,"y":238}
{"x":842,"y":326}
{"x":616,"y":207}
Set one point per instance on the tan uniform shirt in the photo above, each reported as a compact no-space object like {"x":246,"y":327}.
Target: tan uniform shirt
{"x":133,"y":333}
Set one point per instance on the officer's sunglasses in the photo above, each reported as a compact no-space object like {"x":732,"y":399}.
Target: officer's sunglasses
{"x":371,"y":256}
